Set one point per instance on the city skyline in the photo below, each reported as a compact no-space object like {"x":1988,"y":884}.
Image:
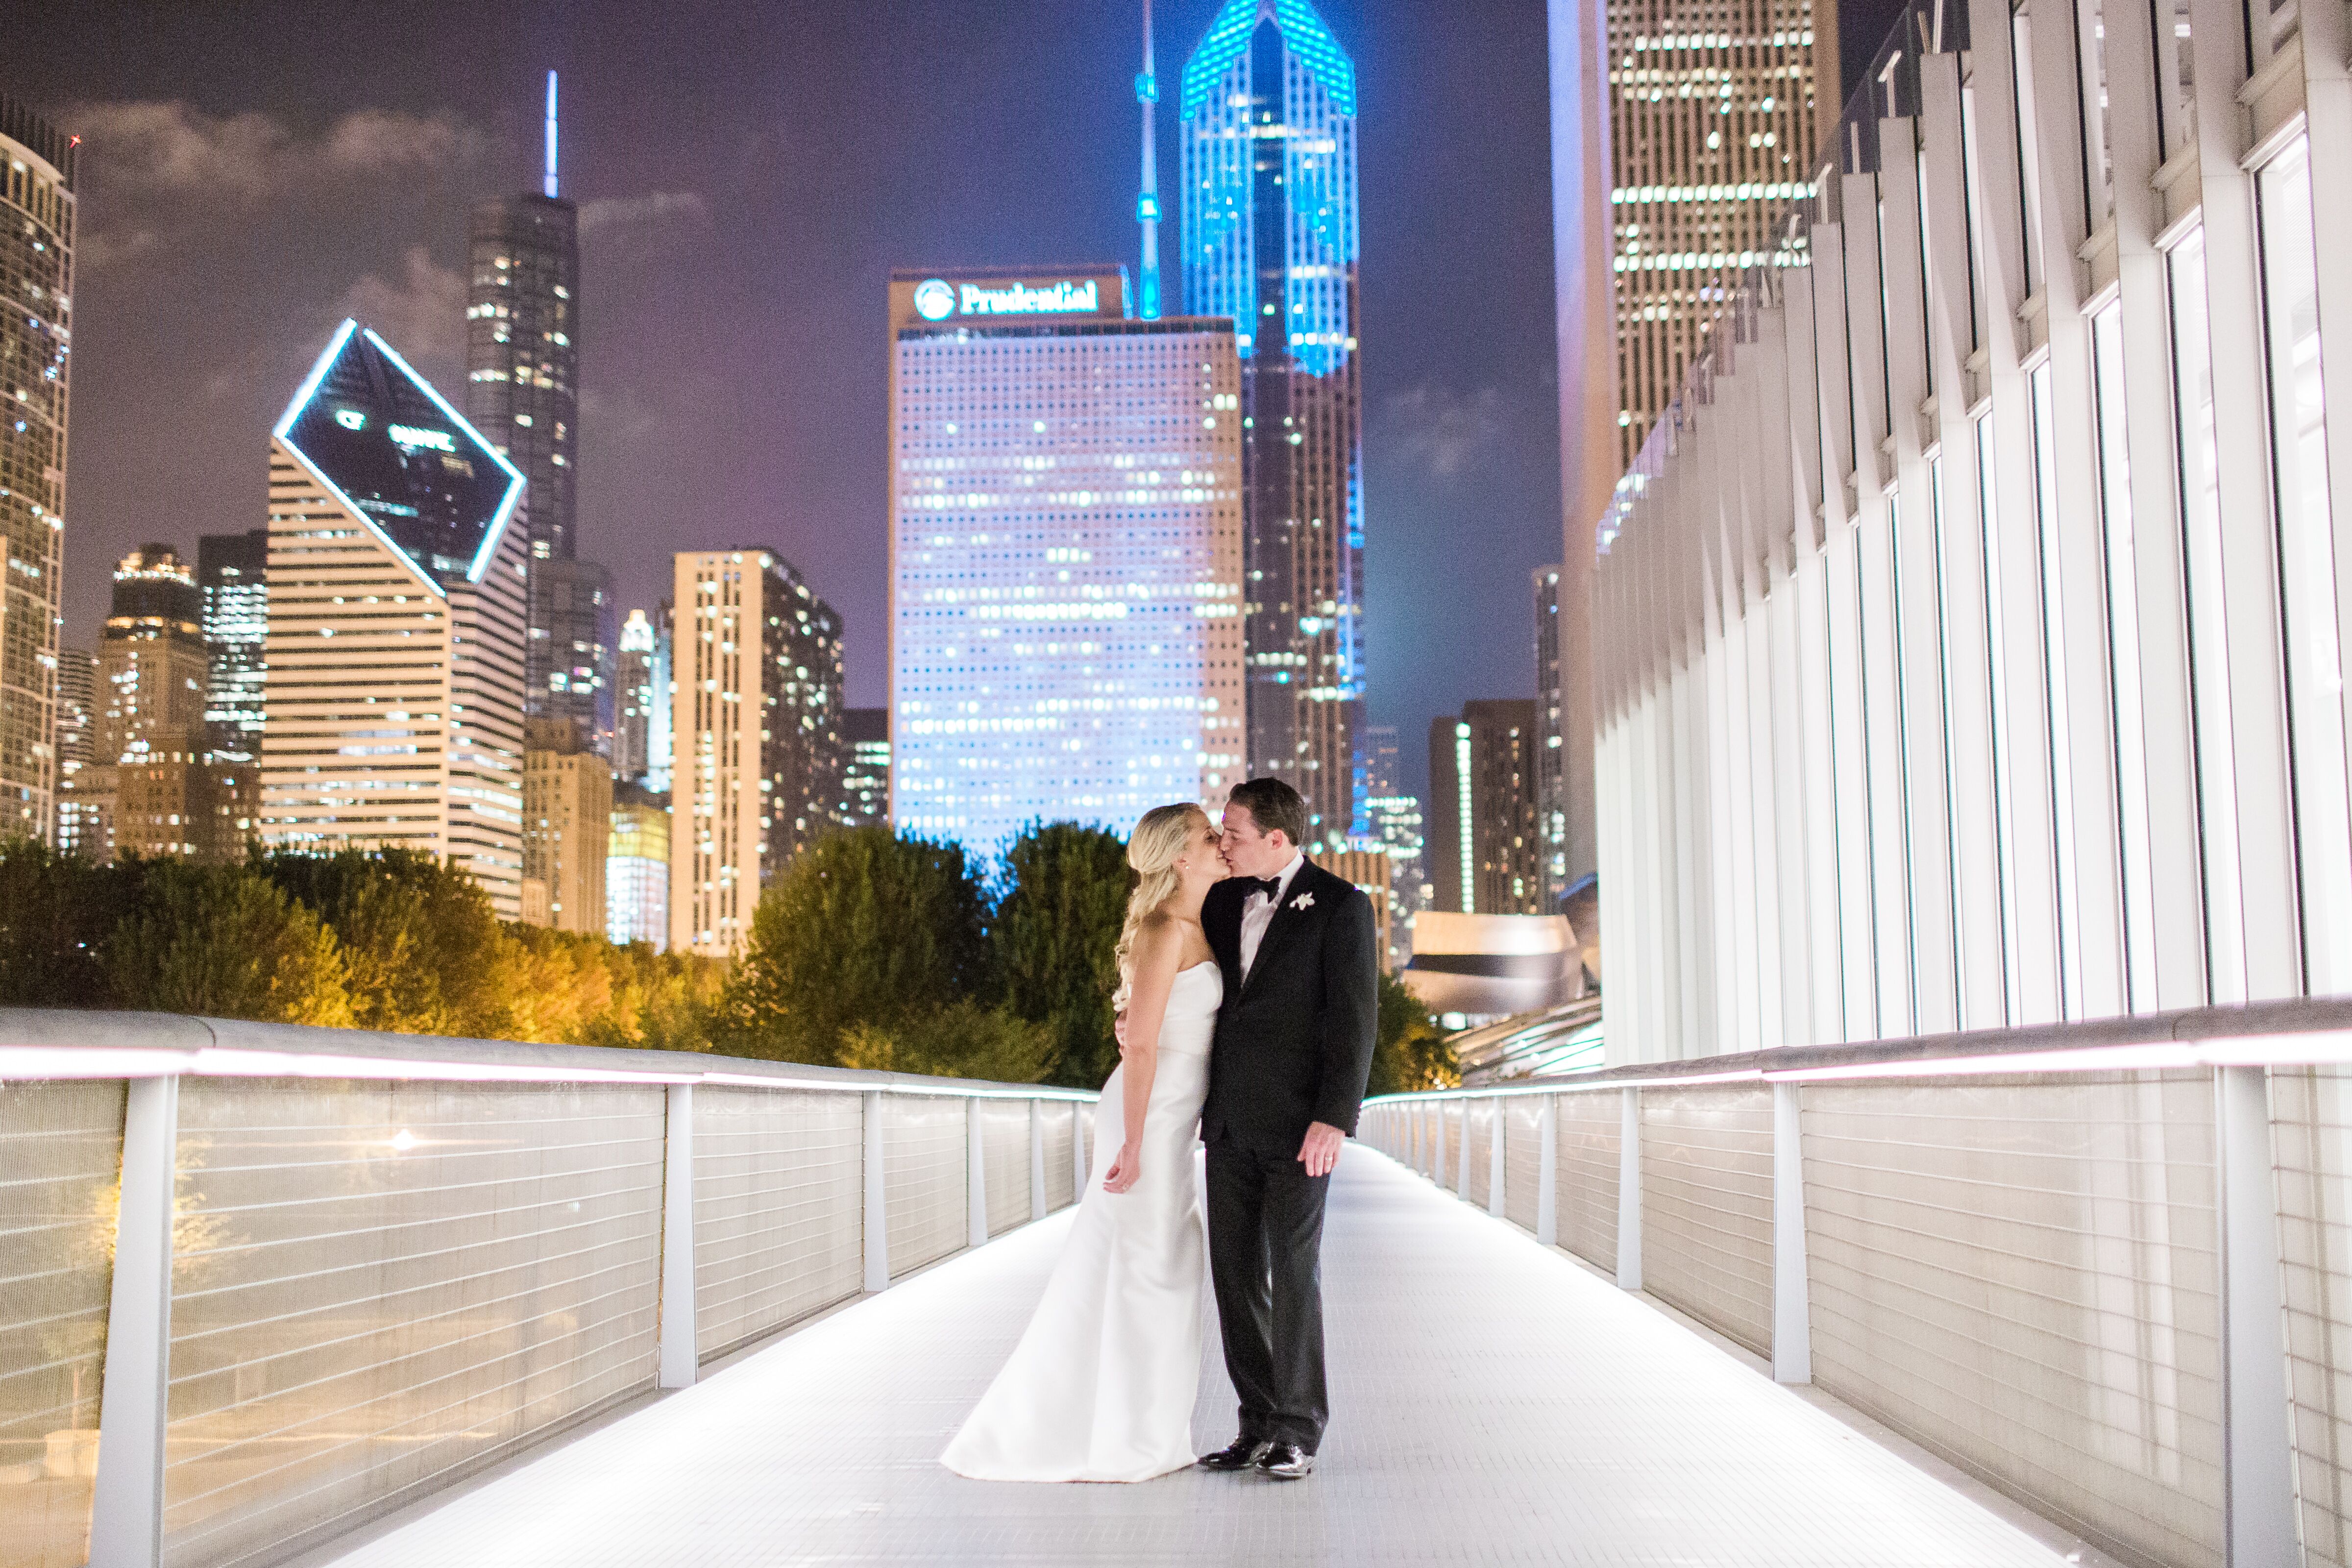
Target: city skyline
{"x":1467,"y":433}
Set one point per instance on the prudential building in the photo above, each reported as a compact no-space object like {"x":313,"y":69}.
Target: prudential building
{"x":1268,"y":128}
{"x":1065,"y":553}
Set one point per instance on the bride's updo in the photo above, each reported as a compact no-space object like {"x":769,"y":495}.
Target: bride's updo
{"x":1151,"y":850}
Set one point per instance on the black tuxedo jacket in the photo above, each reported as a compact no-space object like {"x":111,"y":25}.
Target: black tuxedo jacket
{"x":1293,"y":1044}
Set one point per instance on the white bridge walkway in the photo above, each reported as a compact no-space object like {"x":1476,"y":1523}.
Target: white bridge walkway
{"x":1494,"y":1403}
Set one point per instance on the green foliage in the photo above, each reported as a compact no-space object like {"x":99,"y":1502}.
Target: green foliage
{"x":866,"y":927}
{"x":1056,"y":937}
{"x":57,"y":913}
{"x":1409,"y":1050}
{"x":225,"y":941}
{"x":426,"y":950}
{"x":961,"y":1041}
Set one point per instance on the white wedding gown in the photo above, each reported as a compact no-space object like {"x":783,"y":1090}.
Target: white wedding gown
{"x":1101,"y":1386}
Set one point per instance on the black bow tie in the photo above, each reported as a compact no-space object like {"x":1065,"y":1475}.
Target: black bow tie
{"x":1270,"y":886}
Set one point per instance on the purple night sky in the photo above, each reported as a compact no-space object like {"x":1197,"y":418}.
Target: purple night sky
{"x":748,"y":175}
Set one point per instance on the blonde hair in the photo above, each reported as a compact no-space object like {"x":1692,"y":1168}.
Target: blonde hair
{"x":1159,"y":838}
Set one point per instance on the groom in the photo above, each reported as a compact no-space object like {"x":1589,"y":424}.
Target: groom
{"x":1294,"y":1046}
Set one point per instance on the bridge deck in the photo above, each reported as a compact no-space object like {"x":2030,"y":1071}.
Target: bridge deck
{"x":1493,"y":1402}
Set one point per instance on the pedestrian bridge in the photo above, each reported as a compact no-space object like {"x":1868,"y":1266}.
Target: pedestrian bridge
{"x":277,"y":1295}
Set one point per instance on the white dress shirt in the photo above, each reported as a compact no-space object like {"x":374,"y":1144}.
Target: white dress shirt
{"x":1258,"y":912}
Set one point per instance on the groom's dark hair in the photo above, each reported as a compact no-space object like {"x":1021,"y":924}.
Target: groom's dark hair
{"x":1272,"y":804}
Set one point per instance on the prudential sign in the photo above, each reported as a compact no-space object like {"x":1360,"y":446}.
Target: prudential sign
{"x":936,"y":299}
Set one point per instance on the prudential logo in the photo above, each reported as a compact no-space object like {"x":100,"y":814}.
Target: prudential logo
{"x":935,"y":299}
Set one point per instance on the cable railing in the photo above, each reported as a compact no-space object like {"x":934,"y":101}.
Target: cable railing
{"x":261,"y":1283}
{"x":2105,"y":1267}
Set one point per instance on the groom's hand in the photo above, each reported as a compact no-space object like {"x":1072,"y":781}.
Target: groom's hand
{"x":1321,"y":1149}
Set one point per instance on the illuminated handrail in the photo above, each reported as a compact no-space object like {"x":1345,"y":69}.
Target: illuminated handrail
{"x":2298,"y":1032}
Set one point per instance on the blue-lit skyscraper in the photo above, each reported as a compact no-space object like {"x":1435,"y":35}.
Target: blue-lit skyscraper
{"x":1268,"y":112}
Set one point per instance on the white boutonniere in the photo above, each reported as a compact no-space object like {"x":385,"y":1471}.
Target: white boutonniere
{"x":1303,"y":901}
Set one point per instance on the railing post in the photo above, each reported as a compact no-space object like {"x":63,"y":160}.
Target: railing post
{"x":878,"y":1222}
{"x":1629,"y":1193}
{"x":679,"y":1356}
{"x":1792,"y":1333}
{"x":2262,"y":1529}
{"x":1548,"y":1173}
{"x":126,"y":1528}
{"x":975,"y":1172}
{"x":1499,"y":1131}
{"x":1036,"y":1159}
{"x":1462,"y":1158}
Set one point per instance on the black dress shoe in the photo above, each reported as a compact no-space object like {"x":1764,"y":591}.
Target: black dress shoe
{"x":1285,"y":1462}
{"x":1238,"y":1455}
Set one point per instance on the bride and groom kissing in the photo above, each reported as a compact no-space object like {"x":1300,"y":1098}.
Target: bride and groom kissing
{"x":1246,"y":1000}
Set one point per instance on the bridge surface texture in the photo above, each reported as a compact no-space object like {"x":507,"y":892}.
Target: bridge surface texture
{"x":1493,"y":1402}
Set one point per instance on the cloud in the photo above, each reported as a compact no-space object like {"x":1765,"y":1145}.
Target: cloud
{"x":624,"y":215}
{"x":96,"y":250}
{"x":423,"y":314}
{"x":1441,"y":431}
{"x":175,"y":150}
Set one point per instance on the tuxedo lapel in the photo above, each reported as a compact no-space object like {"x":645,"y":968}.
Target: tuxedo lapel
{"x":1285,"y":925}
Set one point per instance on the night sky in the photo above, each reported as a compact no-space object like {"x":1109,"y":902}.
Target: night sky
{"x":748,"y":173}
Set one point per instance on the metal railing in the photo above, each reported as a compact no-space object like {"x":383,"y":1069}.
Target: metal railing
{"x":2105,"y":1267}
{"x":260,"y":1284}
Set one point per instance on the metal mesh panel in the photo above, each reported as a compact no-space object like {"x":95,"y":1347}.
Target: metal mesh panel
{"x":1522,"y":1157}
{"x":923,"y":1179}
{"x":2020,"y":1274}
{"x":1478,"y":1119}
{"x":778,"y":1228}
{"x":1451,"y":1129}
{"x":379,"y":1285}
{"x":1706,"y":1207}
{"x":1061,"y":1126}
{"x":1004,"y":1141}
{"x":1592,"y":1130}
{"x":2310,"y":1110}
{"x":60,"y":1160}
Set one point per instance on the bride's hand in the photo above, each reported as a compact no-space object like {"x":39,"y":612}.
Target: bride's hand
{"x":1125,"y":1169}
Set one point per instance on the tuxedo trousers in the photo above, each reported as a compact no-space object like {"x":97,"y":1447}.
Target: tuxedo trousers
{"x":1266,"y":1261}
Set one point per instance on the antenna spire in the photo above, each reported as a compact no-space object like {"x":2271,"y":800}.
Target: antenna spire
{"x":550,"y":186}
{"x":1147,"y":206}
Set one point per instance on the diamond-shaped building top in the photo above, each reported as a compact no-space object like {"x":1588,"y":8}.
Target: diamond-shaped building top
{"x":400,"y":457}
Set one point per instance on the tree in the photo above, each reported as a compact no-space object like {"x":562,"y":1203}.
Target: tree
{"x":1057,"y":940}
{"x":864,"y":927}
{"x":1409,"y":1051}
{"x":57,"y":913}
{"x":225,"y":942}
{"x":961,"y":1041}
{"x":425,"y":951}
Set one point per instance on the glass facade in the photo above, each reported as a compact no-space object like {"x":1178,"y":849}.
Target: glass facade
{"x":231,"y":572}
{"x":1067,"y":584}
{"x":866,"y":780}
{"x":636,"y":869}
{"x":37,"y":241}
{"x":2110,"y":392}
{"x":635,"y":700}
{"x":1270,"y":239}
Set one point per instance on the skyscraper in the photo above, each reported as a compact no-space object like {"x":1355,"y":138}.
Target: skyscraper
{"x":1269,"y":106}
{"x":1484,"y":859}
{"x":637,"y":868}
{"x":150,"y":658}
{"x":567,"y":820}
{"x":393,"y":692}
{"x":1066,"y":554}
{"x":85,"y":794}
{"x":231,"y":571}
{"x":634,"y":699}
{"x":757,"y":709}
{"x":866,"y":780}
{"x":1713,"y":124}
{"x":1396,"y":828}
{"x":1552,"y":769}
{"x":522,"y":391}
{"x":36,"y":239}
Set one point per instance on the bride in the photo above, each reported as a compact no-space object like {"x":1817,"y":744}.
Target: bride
{"x":1101,"y":1386}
